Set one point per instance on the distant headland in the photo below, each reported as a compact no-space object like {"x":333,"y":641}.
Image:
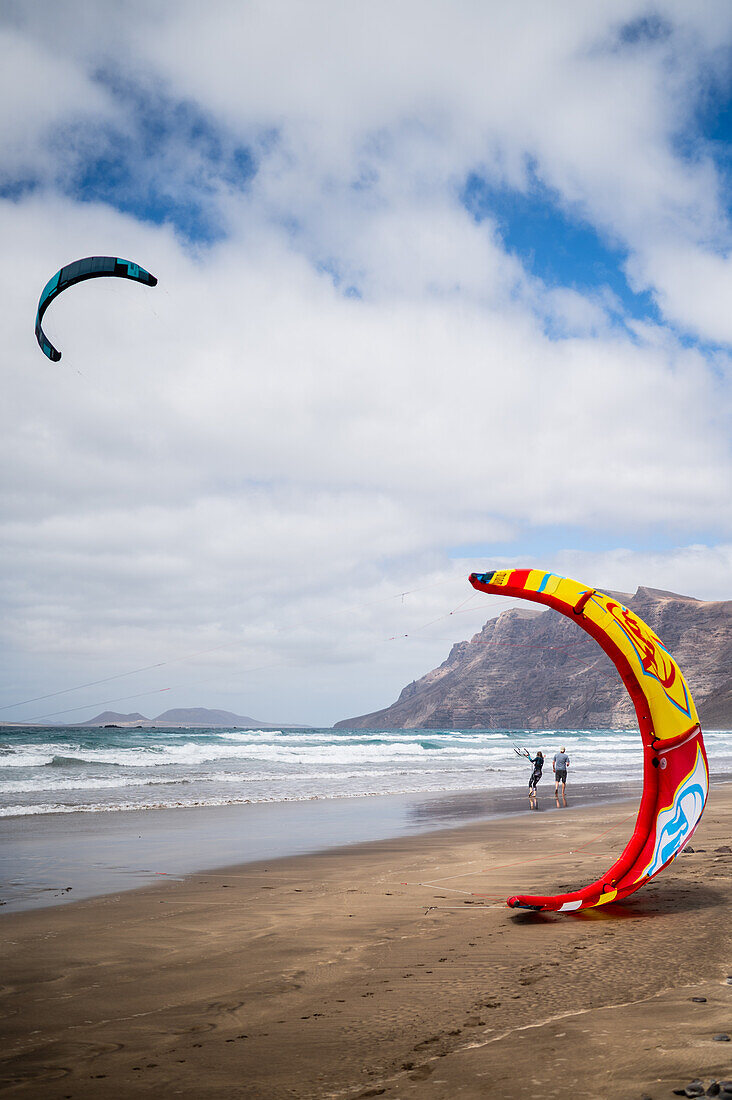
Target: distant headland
{"x":193,"y":717}
{"x":532,"y":669}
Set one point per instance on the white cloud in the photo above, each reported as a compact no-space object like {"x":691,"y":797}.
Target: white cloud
{"x":235,"y":457}
{"x":699,"y":571}
{"x":392,"y":94}
{"x":693,"y":286}
{"x":39,"y":88}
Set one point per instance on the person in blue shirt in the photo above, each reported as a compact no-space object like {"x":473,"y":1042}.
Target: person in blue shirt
{"x":560,"y":763}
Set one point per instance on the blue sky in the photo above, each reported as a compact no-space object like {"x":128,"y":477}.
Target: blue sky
{"x":557,"y":244}
{"x":441,"y":287}
{"x":164,"y":162}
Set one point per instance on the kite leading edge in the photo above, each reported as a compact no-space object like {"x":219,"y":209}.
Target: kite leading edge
{"x":675,"y":769}
{"x":91,"y":267}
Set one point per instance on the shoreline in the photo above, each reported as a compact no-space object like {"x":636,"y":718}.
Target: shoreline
{"x":388,"y":968}
{"x":94,"y":854}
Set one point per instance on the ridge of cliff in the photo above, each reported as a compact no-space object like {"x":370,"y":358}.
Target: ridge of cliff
{"x":534,"y":669}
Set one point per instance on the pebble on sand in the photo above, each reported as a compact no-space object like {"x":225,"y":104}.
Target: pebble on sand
{"x":723,"y":1089}
{"x":694,"y":1088}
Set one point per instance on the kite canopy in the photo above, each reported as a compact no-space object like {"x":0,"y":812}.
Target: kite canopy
{"x":675,"y":770}
{"x":91,"y":267}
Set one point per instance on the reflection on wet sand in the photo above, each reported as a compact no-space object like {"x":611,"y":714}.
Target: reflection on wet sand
{"x":457,"y":808}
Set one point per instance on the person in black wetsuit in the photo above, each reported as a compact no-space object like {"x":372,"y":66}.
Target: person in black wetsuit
{"x":538,"y":763}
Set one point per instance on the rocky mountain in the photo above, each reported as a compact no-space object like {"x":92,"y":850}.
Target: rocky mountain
{"x":201,"y":716}
{"x":114,"y":718}
{"x":183,"y":716}
{"x":534,"y":669}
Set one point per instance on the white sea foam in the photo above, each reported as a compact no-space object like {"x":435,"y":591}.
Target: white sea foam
{"x":24,"y":759}
{"x":195,"y":754}
{"x":65,"y":771}
{"x":85,"y":783}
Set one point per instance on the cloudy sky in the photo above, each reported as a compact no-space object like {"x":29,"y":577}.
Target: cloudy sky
{"x":442,"y":285}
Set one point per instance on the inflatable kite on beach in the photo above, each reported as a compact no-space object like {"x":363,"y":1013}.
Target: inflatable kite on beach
{"x":91,"y":267}
{"x":675,"y":770}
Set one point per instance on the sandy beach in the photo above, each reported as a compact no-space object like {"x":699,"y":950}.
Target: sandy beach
{"x":391,"y":969}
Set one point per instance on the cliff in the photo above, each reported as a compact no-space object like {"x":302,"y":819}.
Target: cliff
{"x":534,"y":669}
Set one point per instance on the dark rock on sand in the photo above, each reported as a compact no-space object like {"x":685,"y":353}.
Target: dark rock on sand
{"x":721,"y":1038}
{"x":699,"y":1000}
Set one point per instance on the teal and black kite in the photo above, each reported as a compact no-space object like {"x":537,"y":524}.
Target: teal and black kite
{"x":91,"y":267}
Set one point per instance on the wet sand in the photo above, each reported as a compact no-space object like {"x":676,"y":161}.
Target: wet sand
{"x":390,"y":969}
{"x":51,"y":859}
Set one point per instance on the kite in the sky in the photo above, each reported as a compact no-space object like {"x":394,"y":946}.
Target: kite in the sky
{"x":91,"y":267}
{"x":675,"y":770}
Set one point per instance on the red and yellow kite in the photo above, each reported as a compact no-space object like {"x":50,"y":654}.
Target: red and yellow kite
{"x":675,"y":770}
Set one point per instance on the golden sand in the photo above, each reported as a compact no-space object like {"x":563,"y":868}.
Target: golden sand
{"x":389,"y":969}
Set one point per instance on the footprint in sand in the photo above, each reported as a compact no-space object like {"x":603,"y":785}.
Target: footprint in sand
{"x":421,"y":1073}
{"x":427,"y":1042}
{"x":225,"y":1006}
{"x":196,"y":1029}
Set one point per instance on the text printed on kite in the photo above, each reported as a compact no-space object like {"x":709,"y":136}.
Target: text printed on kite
{"x":675,"y":769}
{"x":90,"y":267}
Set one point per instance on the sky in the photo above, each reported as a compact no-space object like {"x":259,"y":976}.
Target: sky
{"x":442,"y":286}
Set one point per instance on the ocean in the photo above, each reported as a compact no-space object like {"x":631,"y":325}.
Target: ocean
{"x":57,"y":770}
